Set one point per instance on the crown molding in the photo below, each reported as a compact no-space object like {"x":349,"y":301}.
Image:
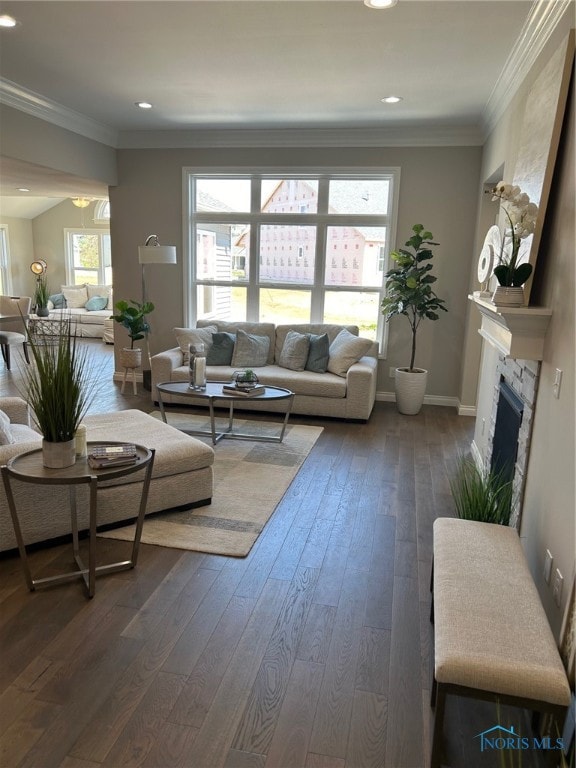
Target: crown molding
{"x":386,"y":136}
{"x":14,"y":95}
{"x":544,"y":17}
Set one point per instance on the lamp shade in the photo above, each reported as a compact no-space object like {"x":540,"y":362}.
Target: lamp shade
{"x":38,"y":267}
{"x":157,"y":254}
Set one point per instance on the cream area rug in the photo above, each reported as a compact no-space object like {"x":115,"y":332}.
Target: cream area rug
{"x":250,"y":479}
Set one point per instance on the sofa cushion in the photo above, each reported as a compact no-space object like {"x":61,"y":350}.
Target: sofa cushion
{"x":96,"y":303}
{"x":295,"y":350}
{"x":318,"y":353}
{"x":104,"y":291}
{"x":187,"y":336}
{"x":259,"y":329}
{"x":345,"y":350}
{"x":318,"y":329}
{"x":57,"y":301}
{"x":76,"y":296}
{"x":6,"y":436}
{"x":222,"y":349}
{"x":250,"y":350}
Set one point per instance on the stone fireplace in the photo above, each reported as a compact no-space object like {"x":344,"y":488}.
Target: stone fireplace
{"x":518,"y":336}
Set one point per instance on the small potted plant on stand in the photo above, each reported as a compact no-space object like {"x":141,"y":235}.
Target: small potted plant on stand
{"x":132,"y":315}
{"x":521,"y":215}
{"x":41,"y":296}
{"x":409,"y":293}
{"x":59,"y":391}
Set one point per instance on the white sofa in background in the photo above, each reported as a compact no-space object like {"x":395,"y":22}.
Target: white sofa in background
{"x":347,"y":390}
{"x":182,"y":474}
{"x":77,"y":303}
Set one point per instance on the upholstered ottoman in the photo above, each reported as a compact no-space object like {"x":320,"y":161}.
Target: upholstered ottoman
{"x":182,"y":477}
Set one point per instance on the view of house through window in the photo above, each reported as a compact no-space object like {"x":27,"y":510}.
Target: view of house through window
{"x":290,"y":249}
{"x":88,"y":257}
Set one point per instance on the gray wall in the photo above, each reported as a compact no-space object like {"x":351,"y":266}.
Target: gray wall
{"x":438,"y":188}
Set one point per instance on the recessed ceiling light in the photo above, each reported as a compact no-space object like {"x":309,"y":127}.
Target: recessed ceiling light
{"x":23,"y":189}
{"x":380,"y":3}
{"x":7,"y":21}
{"x":144,"y":104}
{"x":391,"y":99}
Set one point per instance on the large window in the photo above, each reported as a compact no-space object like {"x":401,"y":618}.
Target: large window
{"x":5,"y":276}
{"x":88,"y":257}
{"x":290,"y":248}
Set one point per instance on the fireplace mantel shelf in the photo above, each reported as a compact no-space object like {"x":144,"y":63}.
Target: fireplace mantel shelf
{"x":517,"y":332}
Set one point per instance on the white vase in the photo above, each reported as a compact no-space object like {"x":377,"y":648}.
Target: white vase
{"x":58,"y":455}
{"x":508,"y":296}
{"x":410,"y":388}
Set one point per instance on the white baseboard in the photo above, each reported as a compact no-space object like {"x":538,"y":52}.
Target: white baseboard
{"x":466,"y":410}
{"x":450,"y":402}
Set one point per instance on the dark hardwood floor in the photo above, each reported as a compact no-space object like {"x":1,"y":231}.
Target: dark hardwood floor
{"x":312,"y":652}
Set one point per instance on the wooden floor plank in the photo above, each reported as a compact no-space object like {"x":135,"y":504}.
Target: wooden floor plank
{"x":367,"y":742}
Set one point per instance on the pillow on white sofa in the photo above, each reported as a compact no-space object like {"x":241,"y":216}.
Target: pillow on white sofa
{"x":101,"y":290}
{"x":187,"y":336}
{"x":345,"y":350}
{"x":6,"y":436}
{"x":295,"y":350}
{"x":76,"y":296}
{"x":250,"y":351}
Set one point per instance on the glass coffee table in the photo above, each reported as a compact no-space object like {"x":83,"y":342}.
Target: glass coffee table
{"x":213,"y":394}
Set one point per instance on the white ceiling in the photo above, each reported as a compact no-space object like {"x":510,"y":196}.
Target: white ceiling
{"x":211,"y":65}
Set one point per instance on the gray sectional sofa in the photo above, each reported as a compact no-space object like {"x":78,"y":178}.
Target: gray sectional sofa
{"x":346,"y":390}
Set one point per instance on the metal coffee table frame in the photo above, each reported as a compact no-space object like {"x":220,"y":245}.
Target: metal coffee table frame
{"x":212,"y":394}
{"x":28,"y":468}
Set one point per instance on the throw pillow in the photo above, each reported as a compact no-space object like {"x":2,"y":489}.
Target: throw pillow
{"x":186,"y":336}
{"x":58,"y":301}
{"x":104,"y":291}
{"x":250,"y":351}
{"x":294,"y":351}
{"x":76,"y":296}
{"x":6,"y":437}
{"x":319,"y":353}
{"x":222,"y":349}
{"x":345,"y":350}
{"x":96,"y":303}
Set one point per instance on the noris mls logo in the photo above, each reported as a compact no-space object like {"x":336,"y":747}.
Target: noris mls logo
{"x":499,"y":737}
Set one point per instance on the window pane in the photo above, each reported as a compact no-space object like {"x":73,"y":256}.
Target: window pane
{"x":223,"y":195}
{"x":353,"y":308}
{"x":222,"y":251}
{"x":289,"y":196}
{"x":284,"y":306}
{"x":355,"y":255}
{"x":367,"y":196}
{"x":287,"y":254}
{"x":221,"y":302}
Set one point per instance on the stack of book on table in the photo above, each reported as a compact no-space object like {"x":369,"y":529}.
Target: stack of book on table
{"x":243,"y":390}
{"x":102,"y":456}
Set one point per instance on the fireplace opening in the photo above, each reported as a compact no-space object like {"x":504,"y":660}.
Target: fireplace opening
{"x":506,"y":430}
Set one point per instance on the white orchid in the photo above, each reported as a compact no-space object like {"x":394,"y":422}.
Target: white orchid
{"x":522,"y":215}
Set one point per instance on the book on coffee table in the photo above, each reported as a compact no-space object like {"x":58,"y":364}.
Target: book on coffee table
{"x":230,"y":389}
{"x":101,"y":456}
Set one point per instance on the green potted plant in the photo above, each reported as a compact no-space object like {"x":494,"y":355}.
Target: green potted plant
{"x":59,"y":391}
{"x":41,"y":296}
{"x":409,"y":293}
{"x":132,"y":316}
{"x":521,"y":217}
{"x":485,"y":496}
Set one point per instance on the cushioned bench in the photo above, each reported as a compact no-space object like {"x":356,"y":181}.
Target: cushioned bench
{"x":492,"y":637}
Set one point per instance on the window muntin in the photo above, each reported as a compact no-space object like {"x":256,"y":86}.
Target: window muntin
{"x":309,"y":215}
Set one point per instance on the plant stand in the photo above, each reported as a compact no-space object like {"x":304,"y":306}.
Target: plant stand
{"x":134,"y":387}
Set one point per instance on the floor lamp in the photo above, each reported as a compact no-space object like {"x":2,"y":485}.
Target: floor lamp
{"x":153,"y":253}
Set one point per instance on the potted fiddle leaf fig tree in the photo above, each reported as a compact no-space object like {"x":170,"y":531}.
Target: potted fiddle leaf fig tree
{"x":132,"y":316}
{"x":409,"y":293}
